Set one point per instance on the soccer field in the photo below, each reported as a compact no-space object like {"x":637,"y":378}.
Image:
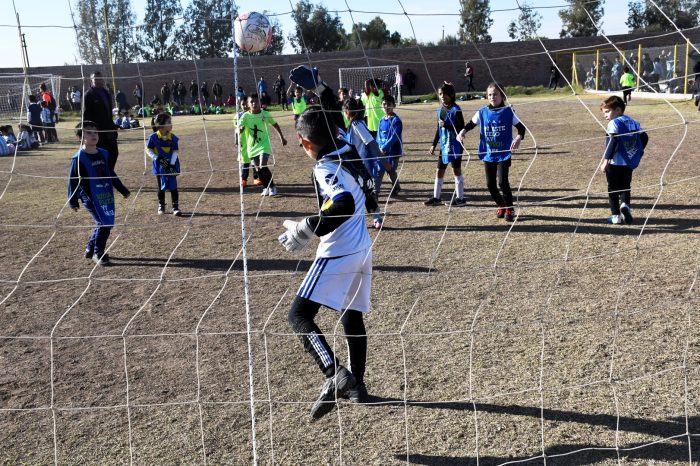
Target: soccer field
{"x":489,"y":342}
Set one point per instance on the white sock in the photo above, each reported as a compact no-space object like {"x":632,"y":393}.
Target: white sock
{"x":437,"y":189}
{"x":459,"y":184}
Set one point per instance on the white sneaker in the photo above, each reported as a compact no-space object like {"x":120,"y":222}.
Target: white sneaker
{"x":377,"y":223}
{"x":626,"y":214}
{"x":272,"y":191}
{"x":176,"y":212}
{"x":265,"y":192}
{"x":615,"y":220}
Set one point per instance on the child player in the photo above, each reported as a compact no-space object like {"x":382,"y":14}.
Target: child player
{"x":254,"y":123}
{"x":495,"y":122}
{"x":341,"y":275}
{"x":372,"y":100}
{"x":163,"y":147}
{"x":624,"y":148}
{"x":243,"y":144}
{"x":450,"y":123}
{"x":91,"y":180}
{"x":389,"y":139}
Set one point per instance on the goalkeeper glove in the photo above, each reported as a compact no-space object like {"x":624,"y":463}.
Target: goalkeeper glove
{"x":297,"y":236}
{"x":307,"y":78}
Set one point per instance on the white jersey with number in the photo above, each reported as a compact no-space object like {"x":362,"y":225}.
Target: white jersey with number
{"x":351,"y":236}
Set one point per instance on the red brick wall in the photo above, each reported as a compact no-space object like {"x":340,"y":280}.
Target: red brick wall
{"x":511,"y":63}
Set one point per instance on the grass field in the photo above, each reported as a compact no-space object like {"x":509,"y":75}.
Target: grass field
{"x":489,"y":342}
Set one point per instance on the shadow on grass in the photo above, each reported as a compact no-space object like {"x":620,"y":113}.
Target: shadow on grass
{"x":261,"y":265}
{"x":673,"y":450}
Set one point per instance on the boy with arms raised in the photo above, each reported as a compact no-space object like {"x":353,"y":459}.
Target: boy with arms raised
{"x":341,"y":275}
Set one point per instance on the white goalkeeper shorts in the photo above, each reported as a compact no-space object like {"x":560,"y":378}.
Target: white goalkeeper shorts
{"x":340,"y":283}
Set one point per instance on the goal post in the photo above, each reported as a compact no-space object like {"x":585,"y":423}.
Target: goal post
{"x":15,"y":91}
{"x":354,"y":78}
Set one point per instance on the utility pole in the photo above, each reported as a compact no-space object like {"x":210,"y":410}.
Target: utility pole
{"x":443,"y":33}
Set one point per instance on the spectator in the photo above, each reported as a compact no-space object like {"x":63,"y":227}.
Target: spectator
{"x":122,"y":103}
{"x":165,"y":93}
{"x":138,"y":94}
{"x":553,"y":76}
{"x":279,"y":88}
{"x":75,"y":99}
{"x":262,"y":86}
{"x":409,"y":80}
{"x":231,"y":101}
{"x":98,"y":108}
{"x":182,"y":93}
{"x":194,"y":91}
{"x":469,"y":75}
{"x":204,"y":94}
{"x":217,"y":91}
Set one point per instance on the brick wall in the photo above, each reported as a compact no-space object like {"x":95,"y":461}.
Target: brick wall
{"x":511,"y":63}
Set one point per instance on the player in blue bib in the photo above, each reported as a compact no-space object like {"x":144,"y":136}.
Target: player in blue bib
{"x":496,"y":143}
{"x":390,"y":142}
{"x":92,"y":181}
{"x":624,"y":148}
{"x":163,"y":147}
{"x":449,"y":123}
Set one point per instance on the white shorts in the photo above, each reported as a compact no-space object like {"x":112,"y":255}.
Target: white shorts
{"x":340,"y":283}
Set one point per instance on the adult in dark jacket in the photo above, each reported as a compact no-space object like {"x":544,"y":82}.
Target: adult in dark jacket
{"x":98,"y":108}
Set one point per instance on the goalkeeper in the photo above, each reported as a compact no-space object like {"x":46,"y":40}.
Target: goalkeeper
{"x":341,"y":275}
{"x":162,"y":147}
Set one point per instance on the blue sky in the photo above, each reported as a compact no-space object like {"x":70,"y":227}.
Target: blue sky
{"x":56,"y":45}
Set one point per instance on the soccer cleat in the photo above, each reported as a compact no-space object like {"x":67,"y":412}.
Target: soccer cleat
{"x":626,"y":214}
{"x":265,"y":192}
{"x":614,"y":220}
{"x":501,"y":212}
{"x":176,"y":212}
{"x":338,"y":385}
{"x":510,"y":214}
{"x":272,"y":191}
{"x":244,"y":183}
{"x":161,"y":209}
{"x":88,"y":254}
{"x":358,"y":393}
{"x":433,"y":201}
{"x":101,"y":259}
{"x":257,"y":182}
{"x":457,"y":202}
{"x":377,"y":223}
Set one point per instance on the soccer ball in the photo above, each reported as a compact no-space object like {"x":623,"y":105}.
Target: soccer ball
{"x":252,"y":31}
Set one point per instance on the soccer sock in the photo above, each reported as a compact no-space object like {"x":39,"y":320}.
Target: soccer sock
{"x":394,"y":177}
{"x":161,"y":197}
{"x":437,"y":189}
{"x":459,"y":184}
{"x":356,"y":335}
{"x":175,"y":196}
{"x":301,"y":318}
{"x":266,"y":176}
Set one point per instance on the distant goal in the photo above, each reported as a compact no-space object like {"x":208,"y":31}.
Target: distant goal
{"x":16,"y":88}
{"x":354,"y":78}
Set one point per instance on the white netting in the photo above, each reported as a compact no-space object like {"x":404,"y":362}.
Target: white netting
{"x":387,"y":77}
{"x":15,"y":91}
{"x":552,"y":339}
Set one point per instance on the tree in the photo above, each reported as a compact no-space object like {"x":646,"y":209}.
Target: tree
{"x":475,"y":21}
{"x":316,"y":30}
{"x":373,"y":35}
{"x":96,"y":19}
{"x":449,"y":39}
{"x":529,"y":22}
{"x":575,"y":19}
{"x":645,"y":17}
{"x":157,"y":37}
{"x":206,"y":32}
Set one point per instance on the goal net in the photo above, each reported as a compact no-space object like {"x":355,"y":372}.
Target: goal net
{"x":388,"y":79}
{"x":15,"y":90}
